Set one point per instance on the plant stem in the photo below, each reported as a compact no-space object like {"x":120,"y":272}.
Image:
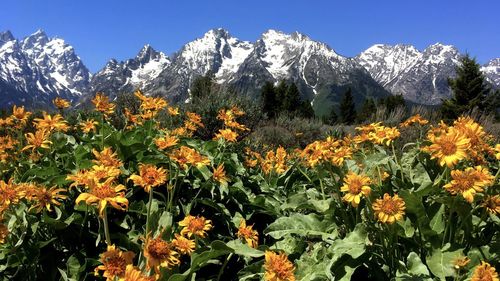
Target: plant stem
{"x":106,"y":227}
{"x":322,"y":189}
{"x":224,"y":266}
{"x":149,"y":209}
{"x":397,"y":162}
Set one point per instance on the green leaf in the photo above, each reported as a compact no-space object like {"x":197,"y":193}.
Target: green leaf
{"x":353,"y":245}
{"x":199,"y":259}
{"x":302,"y":225}
{"x":313,"y":264}
{"x":437,"y":222}
{"x":242,"y":249}
{"x":416,"y":270}
{"x":441,"y":262}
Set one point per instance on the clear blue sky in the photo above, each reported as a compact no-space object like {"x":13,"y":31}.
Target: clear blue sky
{"x":104,"y":29}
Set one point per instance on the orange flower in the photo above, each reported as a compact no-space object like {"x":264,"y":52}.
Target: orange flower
{"x":102,"y":194}
{"x":415,"y":119}
{"x":102,"y":104}
{"x":248,"y":234}
{"x":278,"y":267}
{"x":88,"y":126}
{"x":355,"y":186}
{"x":166,"y":142}
{"x":51,"y":123}
{"x":61,"y":103}
{"x":20,"y":114}
{"x":219,"y":174}
{"x":469,"y":182}
{"x":183,"y":245}
{"x":492,"y":204}
{"x":389,"y":209}
{"x":195,"y":119}
{"x":114,"y":263}
{"x":44,"y":197}
{"x":195,"y":226}
{"x":460,"y":262}
{"x":107,"y":158}
{"x":160,"y":253}
{"x":227,"y":134}
{"x":40,"y":139}
{"x":449,"y":147}
{"x":9,"y":194}
{"x":134,"y":274}
{"x":185,"y":155}
{"x":173,"y":111}
{"x":484,"y":272}
{"x":149,"y":177}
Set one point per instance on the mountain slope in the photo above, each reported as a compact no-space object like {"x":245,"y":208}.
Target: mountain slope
{"x":35,"y":70}
{"x":420,"y":77}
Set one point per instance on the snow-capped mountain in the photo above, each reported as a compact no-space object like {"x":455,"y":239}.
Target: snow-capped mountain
{"x":420,"y":77}
{"x":316,"y":68}
{"x":492,"y":72}
{"x":36,"y":69}
{"x":136,"y":73}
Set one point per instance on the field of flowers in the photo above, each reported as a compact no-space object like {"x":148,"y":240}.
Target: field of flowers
{"x":83,"y":200}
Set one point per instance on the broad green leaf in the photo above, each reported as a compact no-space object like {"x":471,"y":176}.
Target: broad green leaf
{"x":437,"y":222}
{"x":441,"y":262}
{"x":242,"y":249}
{"x":353,"y":245}
{"x":415,"y":270}
{"x":313,"y":264}
{"x":300,"y":224}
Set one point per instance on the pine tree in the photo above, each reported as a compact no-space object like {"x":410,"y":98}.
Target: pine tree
{"x":281,"y":90}
{"x":367,"y":110}
{"x":291,"y":100}
{"x":469,"y":89}
{"x":347,"y":108}
{"x":270,"y":104}
{"x":393,"y":102}
{"x":331,"y":118}
{"x":202,"y":86}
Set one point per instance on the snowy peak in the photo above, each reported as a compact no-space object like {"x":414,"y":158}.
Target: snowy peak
{"x":35,"y":40}
{"x":386,"y":62}
{"x":5,"y":37}
{"x":492,"y":72}
{"x":279,"y":50}
{"x":217,"y":51}
{"x":421,"y":76}
{"x":41,"y":68}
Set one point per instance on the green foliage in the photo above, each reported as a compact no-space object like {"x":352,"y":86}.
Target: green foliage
{"x":347,"y":108}
{"x":285,"y":98}
{"x":469,"y":88}
{"x":202,"y":87}
{"x":366,"y":111}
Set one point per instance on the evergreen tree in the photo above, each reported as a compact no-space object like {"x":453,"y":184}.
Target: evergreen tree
{"x":291,"y":100}
{"x":270,"y":104}
{"x":347,"y":108}
{"x":367,"y":110}
{"x":331,"y":118}
{"x":281,"y":90}
{"x":469,"y":89}
{"x":393,"y":102}
{"x":305,"y":109}
{"x":202,"y":86}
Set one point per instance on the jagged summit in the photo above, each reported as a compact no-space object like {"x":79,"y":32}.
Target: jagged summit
{"x":6,"y":36}
{"x":37,"y":68}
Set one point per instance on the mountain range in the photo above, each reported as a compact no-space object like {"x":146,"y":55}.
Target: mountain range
{"x":36,"y":69}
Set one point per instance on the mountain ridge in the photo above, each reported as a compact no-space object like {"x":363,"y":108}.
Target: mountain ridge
{"x":37,"y":68}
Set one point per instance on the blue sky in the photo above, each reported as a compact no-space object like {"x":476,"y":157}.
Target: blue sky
{"x":100,"y":30}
